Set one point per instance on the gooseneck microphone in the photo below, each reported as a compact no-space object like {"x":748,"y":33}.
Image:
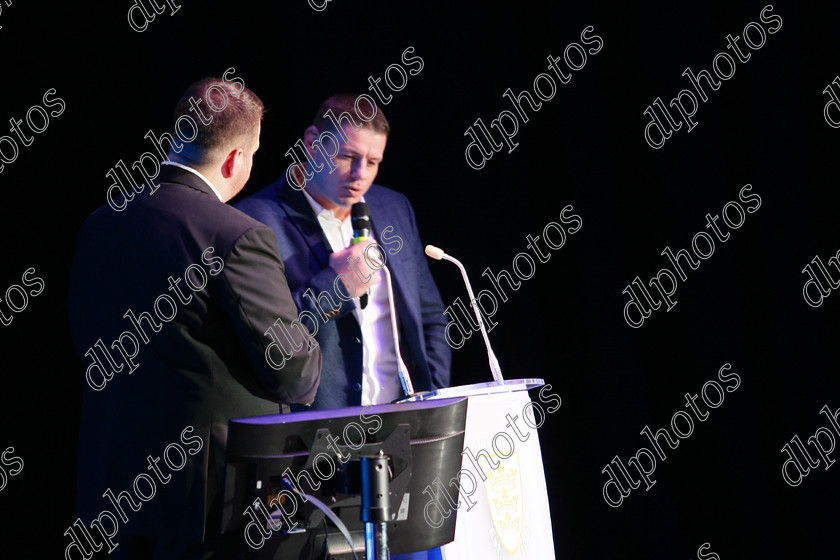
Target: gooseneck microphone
{"x":438,"y":254}
{"x":402,"y":370}
{"x":360,"y":220}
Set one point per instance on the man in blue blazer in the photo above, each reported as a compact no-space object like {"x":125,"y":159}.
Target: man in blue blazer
{"x":309,"y":210}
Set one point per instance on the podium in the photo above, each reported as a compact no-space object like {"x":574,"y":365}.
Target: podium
{"x":503,"y":511}
{"x":464,"y":464}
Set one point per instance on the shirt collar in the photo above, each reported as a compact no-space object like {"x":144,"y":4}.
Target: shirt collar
{"x":200,"y":176}
{"x":319,"y":210}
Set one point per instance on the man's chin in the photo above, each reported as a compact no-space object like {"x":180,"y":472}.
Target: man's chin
{"x":347,"y":203}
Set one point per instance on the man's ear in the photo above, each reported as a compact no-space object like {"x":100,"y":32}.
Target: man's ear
{"x":230,"y":161}
{"x":309,"y":136}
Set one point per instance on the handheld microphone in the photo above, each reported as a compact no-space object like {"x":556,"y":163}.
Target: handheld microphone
{"x":360,"y":220}
{"x":438,"y":254}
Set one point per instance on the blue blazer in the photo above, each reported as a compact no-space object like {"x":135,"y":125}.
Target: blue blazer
{"x":305,"y":251}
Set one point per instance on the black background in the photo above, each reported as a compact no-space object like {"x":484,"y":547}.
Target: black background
{"x":585,"y":147}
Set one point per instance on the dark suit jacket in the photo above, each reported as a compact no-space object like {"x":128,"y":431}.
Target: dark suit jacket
{"x":419,"y":308}
{"x":202,"y":368}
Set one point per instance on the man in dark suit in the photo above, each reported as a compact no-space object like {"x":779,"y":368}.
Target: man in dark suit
{"x":191,"y":291}
{"x":312,"y":221}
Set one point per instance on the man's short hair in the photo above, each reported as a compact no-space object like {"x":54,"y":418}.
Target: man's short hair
{"x":347,"y":103}
{"x":235,"y":111}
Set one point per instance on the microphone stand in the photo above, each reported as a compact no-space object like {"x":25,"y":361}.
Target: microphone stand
{"x":405,"y":379}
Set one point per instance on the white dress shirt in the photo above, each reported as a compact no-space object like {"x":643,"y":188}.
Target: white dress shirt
{"x":380,"y":372}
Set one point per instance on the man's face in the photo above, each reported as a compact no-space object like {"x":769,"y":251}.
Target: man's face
{"x":356,"y":164}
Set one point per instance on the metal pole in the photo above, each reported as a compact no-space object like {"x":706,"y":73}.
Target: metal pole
{"x":375,"y":510}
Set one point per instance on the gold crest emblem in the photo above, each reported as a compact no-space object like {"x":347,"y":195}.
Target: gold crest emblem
{"x":504,"y":493}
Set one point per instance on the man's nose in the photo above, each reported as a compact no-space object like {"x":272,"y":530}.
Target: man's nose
{"x":359,"y":170}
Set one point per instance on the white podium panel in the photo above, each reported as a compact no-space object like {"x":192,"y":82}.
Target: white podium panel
{"x":503,"y":512}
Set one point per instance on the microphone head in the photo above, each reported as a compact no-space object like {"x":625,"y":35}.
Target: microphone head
{"x":360,"y":210}
{"x":360,"y":219}
{"x":434,"y":252}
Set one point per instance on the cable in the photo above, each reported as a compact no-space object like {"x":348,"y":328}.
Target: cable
{"x":327,"y":511}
